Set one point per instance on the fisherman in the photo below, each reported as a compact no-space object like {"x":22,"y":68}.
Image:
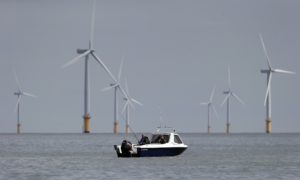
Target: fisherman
{"x":144,"y":140}
{"x":162,"y":140}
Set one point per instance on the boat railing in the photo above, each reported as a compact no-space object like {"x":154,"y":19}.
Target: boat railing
{"x":159,"y":128}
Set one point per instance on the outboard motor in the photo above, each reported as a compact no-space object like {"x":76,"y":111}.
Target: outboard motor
{"x":126,"y":146}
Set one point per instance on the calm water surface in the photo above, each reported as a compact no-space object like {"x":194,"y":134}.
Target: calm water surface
{"x":217,"y":156}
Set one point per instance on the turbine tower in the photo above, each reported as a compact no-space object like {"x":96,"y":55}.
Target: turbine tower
{"x":210,"y":105}
{"x":128,"y":102}
{"x":229,"y":93}
{"x":269,"y":73}
{"x":20,"y":93}
{"x":116,"y":86}
{"x":86,"y":53}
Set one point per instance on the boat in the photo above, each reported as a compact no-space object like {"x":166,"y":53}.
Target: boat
{"x":161,"y":144}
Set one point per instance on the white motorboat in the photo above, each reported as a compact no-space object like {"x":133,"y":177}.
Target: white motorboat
{"x":161,"y":144}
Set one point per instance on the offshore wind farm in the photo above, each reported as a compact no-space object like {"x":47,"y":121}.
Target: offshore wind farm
{"x":167,"y":66}
{"x":203,"y":63}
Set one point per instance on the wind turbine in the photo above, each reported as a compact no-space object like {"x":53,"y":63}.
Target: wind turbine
{"x":20,"y":93}
{"x":210,"y":105}
{"x":269,"y":73}
{"x":86,"y":53}
{"x":229,"y":93}
{"x":128,"y":102}
{"x":116,"y":86}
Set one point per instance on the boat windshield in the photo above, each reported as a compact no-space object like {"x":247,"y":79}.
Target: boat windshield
{"x":160,"y":138}
{"x":177,"y":139}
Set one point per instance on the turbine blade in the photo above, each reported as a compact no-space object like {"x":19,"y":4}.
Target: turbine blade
{"x":125,"y":106}
{"x":212,"y":95}
{"x":121,"y":68}
{"x":92,"y":24}
{"x":268,"y":88}
{"x":229,"y":78}
{"x":104,"y":66}
{"x":28,"y":94}
{"x":17,"y":80}
{"x":215,"y":111}
{"x":283,"y":71}
{"x":226,"y":97}
{"x":109,"y":87}
{"x":18,"y":102}
{"x":137,"y":102}
{"x":126,"y":87}
{"x":265,"y":50}
{"x":130,"y":100}
{"x":131,"y":104}
{"x":123,"y":92}
{"x":76,"y":59}
{"x":238,"y":98}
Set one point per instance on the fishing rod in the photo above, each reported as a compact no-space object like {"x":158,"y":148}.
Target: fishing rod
{"x":135,"y":135}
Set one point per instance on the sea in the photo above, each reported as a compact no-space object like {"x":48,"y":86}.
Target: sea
{"x":92,"y":156}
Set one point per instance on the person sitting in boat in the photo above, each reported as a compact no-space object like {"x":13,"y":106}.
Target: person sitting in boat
{"x":144,"y":140}
{"x":161,"y":139}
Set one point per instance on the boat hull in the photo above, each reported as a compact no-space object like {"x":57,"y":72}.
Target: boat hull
{"x":151,"y":152}
{"x":157,"y":152}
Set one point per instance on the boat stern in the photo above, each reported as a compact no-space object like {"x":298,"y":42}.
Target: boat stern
{"x":126,"y":149}
{"x":118,"y":150}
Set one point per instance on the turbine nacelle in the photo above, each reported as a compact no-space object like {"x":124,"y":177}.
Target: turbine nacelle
{"x":18,"y":93}
{"x":265,"y":71}
{"x":226,"y":92}
{"x":81,"y":51}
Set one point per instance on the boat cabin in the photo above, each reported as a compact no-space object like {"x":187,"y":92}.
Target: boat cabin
{"x":161,"y":138}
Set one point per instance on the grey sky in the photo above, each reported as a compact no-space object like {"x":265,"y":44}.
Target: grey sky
{"x":175,"y":52}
